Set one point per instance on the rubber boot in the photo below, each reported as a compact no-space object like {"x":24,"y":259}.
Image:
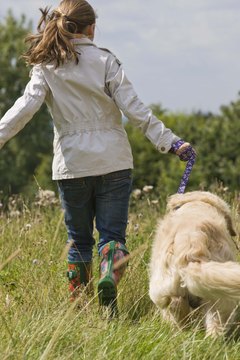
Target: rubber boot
{"x":79,"y":276}
{"x":110,"y":277}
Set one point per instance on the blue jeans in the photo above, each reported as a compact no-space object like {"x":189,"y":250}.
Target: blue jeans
{"x":105,"y":198}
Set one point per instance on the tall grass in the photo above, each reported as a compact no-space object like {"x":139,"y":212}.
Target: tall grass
{"x":37,"y":320}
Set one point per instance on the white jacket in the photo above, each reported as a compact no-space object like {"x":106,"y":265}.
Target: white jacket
{"x":85,"y":101}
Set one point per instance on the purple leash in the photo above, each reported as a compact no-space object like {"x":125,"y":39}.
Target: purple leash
{"x":188,"y":155}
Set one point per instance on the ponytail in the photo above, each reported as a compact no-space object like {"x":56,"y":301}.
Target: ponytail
{"x":52,"y":43}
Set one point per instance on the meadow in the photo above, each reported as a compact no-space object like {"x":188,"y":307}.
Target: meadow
{"x":37,"y":321}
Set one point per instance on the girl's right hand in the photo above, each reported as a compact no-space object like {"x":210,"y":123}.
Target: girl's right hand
{"x":184,"y":150}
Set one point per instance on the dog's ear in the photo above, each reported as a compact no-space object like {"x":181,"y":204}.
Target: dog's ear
{"x":174,"y":202}
{"x":177,"y":200}
{"x":230,"y":225}
{"x":223,"y":208}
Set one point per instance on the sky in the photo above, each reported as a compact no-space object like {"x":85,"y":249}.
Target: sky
{"x":182,"y":54}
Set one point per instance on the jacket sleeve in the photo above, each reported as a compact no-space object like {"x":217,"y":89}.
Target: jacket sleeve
{"x":139,"y":115}
{"x":25,"y":107}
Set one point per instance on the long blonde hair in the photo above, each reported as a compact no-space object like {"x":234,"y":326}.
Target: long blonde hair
{"x":52,"y":43}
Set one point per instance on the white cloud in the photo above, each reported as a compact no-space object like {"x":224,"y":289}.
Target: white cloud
{"x":182,"y":53}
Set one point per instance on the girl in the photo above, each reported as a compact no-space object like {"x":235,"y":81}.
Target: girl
{"x":85,"y":89}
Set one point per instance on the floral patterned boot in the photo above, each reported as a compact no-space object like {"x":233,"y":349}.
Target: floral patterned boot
{"x":79,"y":276}
{"x":110,"y":275}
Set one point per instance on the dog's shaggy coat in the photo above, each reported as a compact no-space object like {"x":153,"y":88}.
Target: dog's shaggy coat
{"x":193,"y":262}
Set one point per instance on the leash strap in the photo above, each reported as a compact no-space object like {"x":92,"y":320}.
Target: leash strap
{"x":188,"y":155}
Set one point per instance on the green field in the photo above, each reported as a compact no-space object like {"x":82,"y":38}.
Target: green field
{"x":38,"y":322}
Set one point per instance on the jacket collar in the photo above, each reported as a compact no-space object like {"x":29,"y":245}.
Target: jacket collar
{"x":82,"y":41}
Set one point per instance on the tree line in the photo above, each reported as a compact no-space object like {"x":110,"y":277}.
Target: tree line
{"x":25,"y":161}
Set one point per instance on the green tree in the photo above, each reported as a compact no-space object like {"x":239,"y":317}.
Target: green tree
{"x":21,"y":156}
{"x":216,"y":139}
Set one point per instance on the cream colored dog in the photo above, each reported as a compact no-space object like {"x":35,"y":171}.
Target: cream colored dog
{"x":193,"y":263}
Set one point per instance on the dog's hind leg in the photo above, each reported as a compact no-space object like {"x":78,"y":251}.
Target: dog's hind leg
{"x":220,"y":317}
{"x":214,"y":326}
{"x":164,"y":286}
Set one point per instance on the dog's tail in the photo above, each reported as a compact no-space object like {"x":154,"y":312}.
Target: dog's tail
{"x":211,"y":280}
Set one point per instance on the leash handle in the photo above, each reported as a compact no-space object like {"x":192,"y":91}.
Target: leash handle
{"x":188,"y":155}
